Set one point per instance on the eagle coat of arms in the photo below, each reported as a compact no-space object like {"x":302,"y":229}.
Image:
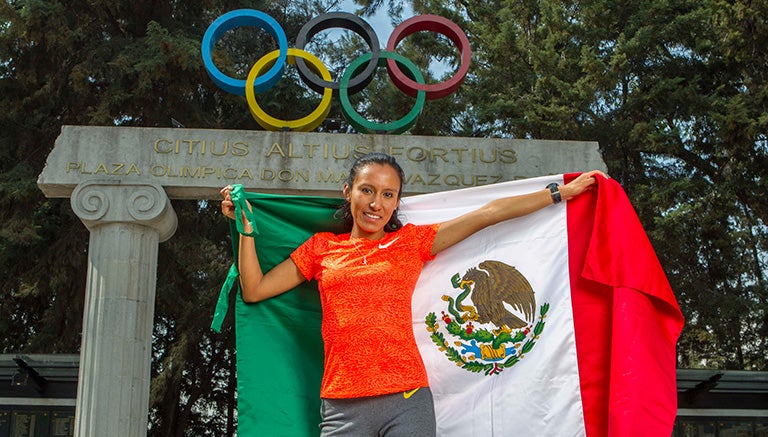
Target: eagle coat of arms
{"x":500,"y":325}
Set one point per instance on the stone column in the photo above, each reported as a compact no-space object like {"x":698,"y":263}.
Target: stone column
{"x":126,"y":222}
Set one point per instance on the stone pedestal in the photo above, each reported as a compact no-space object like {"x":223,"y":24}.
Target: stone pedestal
{"x":127,"y":222}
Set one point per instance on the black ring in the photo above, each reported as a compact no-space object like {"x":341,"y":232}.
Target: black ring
{"x":554,"y":191}
{"x":343,"y":20}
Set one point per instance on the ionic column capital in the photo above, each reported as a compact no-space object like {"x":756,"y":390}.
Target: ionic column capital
{"x":97,"y":203}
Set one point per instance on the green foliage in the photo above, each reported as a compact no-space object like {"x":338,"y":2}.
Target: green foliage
{"x":674,"y":91}
{"x":115,"y":63}
{"x":190,"y":361}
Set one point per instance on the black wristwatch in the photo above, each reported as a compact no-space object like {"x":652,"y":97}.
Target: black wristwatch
{"x":555,"y":192}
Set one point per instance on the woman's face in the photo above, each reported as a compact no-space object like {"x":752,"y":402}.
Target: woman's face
{"x":373,"y":196}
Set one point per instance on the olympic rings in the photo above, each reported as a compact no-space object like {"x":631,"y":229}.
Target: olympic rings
{"x":304,"y":124}
{"x":316,"y":76}
{"x":369,"y":127}
{"x":239,"y":18}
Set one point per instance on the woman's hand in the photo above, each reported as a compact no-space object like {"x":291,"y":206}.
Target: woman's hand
{"x":581,"y":184}
{"x":227,"y":206}
{"x":255,"y":285}
{"x":228,"y":209}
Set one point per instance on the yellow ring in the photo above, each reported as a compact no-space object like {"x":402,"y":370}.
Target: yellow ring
{"x":304,"y":124}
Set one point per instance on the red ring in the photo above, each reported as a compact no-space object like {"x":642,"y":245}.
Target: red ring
{"x":443,"y":26}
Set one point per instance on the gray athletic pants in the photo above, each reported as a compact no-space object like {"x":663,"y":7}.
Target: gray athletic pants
{"x":401,"y":414}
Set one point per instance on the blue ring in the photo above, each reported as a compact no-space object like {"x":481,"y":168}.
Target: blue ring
{"x":239,"y":18}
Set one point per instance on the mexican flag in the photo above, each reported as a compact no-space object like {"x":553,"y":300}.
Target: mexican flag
{"x":561,"y":322}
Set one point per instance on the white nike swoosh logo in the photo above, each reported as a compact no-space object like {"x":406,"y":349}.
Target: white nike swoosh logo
{"x":386,"y":245}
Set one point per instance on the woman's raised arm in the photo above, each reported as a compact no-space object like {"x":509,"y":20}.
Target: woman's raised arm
{"x":505,"y":208}
{"x":256,"y":285}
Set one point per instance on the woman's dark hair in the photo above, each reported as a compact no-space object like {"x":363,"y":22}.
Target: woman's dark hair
{"x":345,"y":212}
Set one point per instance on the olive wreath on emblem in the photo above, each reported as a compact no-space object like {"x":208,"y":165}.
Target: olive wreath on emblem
{"x":488,"y":352}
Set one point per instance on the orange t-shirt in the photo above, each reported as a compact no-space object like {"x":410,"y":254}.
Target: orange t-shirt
{"x":365,"y":290}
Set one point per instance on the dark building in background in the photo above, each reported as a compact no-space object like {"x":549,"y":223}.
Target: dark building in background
{"x":37,"y":395}
{"x":38,"y":392}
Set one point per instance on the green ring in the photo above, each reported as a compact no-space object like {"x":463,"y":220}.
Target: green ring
{"x":369,"y":127}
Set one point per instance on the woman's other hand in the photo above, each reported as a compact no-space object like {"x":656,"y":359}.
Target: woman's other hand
{"x":581,"y":184}
{"x":227,"y":206}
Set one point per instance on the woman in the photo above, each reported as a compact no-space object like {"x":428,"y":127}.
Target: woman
{"x":374,"y":382}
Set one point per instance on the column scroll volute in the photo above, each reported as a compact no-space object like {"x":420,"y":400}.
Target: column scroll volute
{"x":98,"y":203}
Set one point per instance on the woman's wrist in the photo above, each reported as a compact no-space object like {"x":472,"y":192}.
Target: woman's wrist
{"x":555,"y":192}
{"x":565,"y":192}
{"x":247,"y":228}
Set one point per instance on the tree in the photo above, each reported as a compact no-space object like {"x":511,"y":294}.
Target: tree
{"x":675,"y":93}
{"x":131,"y":64}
